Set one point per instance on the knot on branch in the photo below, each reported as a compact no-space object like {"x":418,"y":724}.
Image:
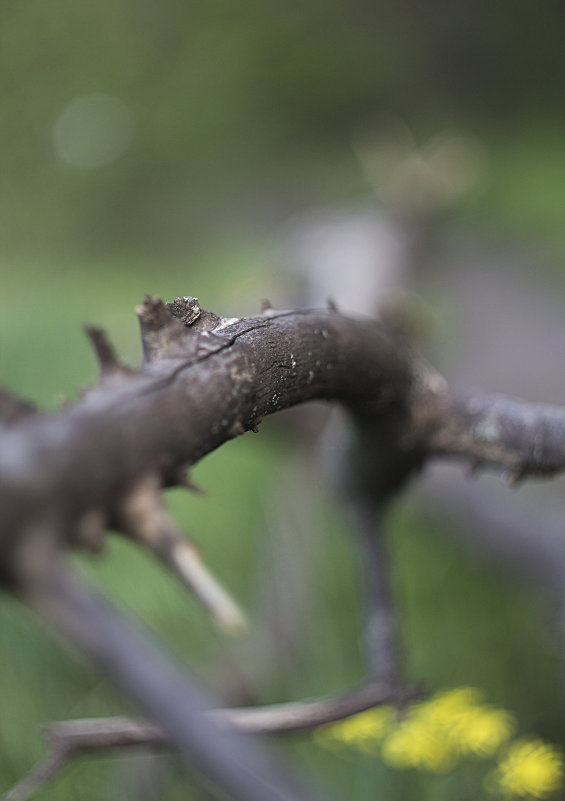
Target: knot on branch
{"x":185,"y":309}
{"x":161,"y":330}
{"x":167,"y":331}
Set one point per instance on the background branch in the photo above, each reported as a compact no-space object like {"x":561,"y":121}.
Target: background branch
{"x":67,"y":739}
{"x":243,"y":770}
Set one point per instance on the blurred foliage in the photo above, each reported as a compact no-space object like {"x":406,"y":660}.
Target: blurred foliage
{"x":241,"y":116}
{"x":244,"y":113}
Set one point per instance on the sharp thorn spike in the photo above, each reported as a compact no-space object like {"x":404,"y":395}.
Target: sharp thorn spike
{"x":105,"y":353}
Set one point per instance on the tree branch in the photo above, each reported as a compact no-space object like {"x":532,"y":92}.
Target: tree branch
{"x":67,"y":739}
{"x":242,"y":769}
{"x":527,"y":439}
{"x":205,"y":380}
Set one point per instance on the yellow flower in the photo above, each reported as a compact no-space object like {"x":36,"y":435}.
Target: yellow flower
{"x":414,"y":744}
{"x":471,"y":727}
{"x":452,"y":702}
{"x":435,"y":734}
{"x":531,"y":768}
{"x":362,"y":731}
{"x":484,"y":730}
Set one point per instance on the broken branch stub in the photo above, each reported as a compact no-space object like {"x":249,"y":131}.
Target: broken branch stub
{"x":144,"y":519}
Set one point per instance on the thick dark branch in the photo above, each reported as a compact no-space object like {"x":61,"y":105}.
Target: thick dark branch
{"x":207,"y":381}
{"x":198,"y":389}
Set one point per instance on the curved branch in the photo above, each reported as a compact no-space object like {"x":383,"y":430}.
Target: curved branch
{"x":197,"y":389}
{"x":208,"y":380}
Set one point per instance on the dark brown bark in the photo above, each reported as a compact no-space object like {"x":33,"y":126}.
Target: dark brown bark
{"x":196,"y":390}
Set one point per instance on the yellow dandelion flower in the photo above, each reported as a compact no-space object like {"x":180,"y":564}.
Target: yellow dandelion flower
{"x":530,"y":768}
{"x":484,"y":730}
{"x":453,"y":702}
{"x":414,"y":744}
{"x":471,"y":727}
{"x":361,"y":731}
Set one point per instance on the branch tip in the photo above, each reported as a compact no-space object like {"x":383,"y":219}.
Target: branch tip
{"x":144,"y":519}
{"x":104,"y":351}
{"x":152,"y":314}
{"x":186,"y":309}
{"x":186,"y":562}
{"x":183,"y":479}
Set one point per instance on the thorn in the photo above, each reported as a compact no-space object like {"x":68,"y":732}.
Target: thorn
{"x":185,"y":561}
{"x":266,"y":305}
{"x":332,"y":305}
{"x":105,"y":353}
{"x":143,"y":517}
{"x":182,"y":479}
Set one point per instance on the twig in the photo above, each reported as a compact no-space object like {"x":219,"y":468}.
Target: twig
{"x":243,"y":770}
{"x":67,"y":739}
{"x":38,"y":776}
{"x":143,"y":517}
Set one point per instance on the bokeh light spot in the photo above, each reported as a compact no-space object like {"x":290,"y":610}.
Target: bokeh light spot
{"x":92,"y":131}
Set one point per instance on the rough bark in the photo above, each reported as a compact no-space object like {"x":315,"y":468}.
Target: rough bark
{"x":197,"y":389}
